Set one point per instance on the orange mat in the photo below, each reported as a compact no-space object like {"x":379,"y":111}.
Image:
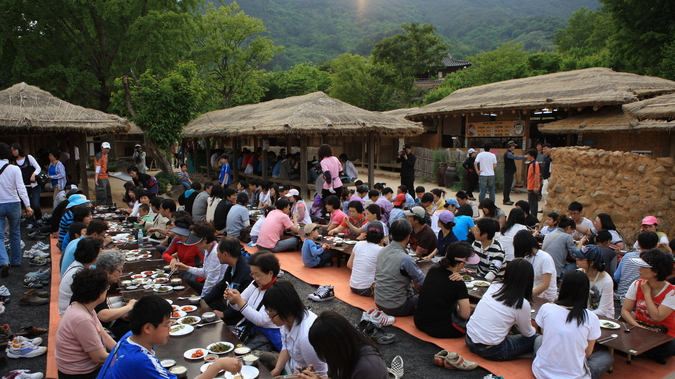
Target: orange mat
{"x":54,"y":317}
{"x":519,"y":368}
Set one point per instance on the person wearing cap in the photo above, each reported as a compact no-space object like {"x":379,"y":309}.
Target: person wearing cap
{"x":299,"y":206}
{"x":627,"y":271}
{"x":651,"y":224}
{"x":67,"y":218}
{"x":237,"y":216}
{"x":545,"y":283}
{"x":409,"y":200}
{"x":445,"y":221}
{"x":490,"y":251}
{"x":601,"y":298}
{"x":103,"y":193}
{"x":203,"y":236}
{"x":273,"y":228}
{"x":447,"y":205}
{"x":363,"y":259}
{"x":422,"y":239}
{"x":471,"y":175}
{"x":407,"y":160}
{"x":56,"y":173}
{"x":314,"y":254}
{"x":443,"y":299}
{"x":397,"y":212}
{"x":180,"y":252}
{"x":509,"y":170}
{"x":397,"y":276}
{"x":139,"y":159}
{"x":650,"y":301}
{"x":485,"y":165}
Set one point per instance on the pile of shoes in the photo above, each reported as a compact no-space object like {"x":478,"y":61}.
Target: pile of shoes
{"x":23,"y":347}
{"x":23,"y":374}
{"x":323,"y":293}
{"x":371,"y":325}
{"x":37,"y":279}
{"x":34,"y":297}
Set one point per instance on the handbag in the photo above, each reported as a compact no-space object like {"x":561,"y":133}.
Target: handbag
{"x":41,"y":179}
{"x":458,"y":322}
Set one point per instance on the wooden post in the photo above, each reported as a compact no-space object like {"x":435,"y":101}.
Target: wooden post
{"x":233,"y":160}
{"x":371,"y":159}
{"x":439,"y":125}
{"x":84,"y":162}
{"x":379,"y":150}
{"x":304,"y":188}
{"x":363,"y":151}
{"x":207,"y":141}
{"x":266,"y":164}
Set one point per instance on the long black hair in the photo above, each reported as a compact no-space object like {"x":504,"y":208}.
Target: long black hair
{"x":574,"y":292}
{"x":524,"y":243}
{"x":516,"y":216}
{"x":336,"y":342}
{"x":489,"y":208}
{"x":606,"y":221}
{"x":518,"y":283}
{"x":459,"y":249}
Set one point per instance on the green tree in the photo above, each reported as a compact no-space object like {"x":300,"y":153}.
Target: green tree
{"x":232,"y":49}
{"x":360,"y":83}
{"x":76,"y":49}
{"x":161,"y":106}
{"x":301,"y":79}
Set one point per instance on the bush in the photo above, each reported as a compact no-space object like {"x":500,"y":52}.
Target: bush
{"x":164,"y":179}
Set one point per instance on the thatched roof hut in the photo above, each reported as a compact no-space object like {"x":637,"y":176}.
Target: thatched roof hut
{"x":596,"y":86}
{"x":657,"y":108}
{"x":25,"y":108}
{"x":604,"y":121}
{"x":312,"y":114}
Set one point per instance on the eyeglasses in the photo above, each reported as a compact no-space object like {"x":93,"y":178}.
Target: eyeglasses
{"x":256,"y":276}
{"x":271,"y":316}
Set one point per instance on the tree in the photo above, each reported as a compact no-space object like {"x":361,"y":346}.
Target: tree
{"x":75,"y":49}
{"x":161,"y":106}
{"x":232,"y":49}
{"x":301,"y":79}
{"x":360,"y":83}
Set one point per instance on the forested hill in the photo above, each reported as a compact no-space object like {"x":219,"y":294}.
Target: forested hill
{"x":318,"y":30}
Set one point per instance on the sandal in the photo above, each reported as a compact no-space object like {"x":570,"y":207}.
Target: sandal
{"x":30,"y":331}
{"x":439,"y":358}
{"x":459,"y":363}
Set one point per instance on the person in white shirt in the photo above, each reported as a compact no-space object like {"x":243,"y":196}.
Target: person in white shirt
{"x":363,"y":259}
{"x":12,"y":193}
{"x":485,"y":165}
{"x":350,"y":172}
{"x":545,"y":283}
{"x":569,"y":332}
{"x":504,"y":304}
{"x":286,"y":310}
{"x":514,"y":223}
{"x":591,"y":260}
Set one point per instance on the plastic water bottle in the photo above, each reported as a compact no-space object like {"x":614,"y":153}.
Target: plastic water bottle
{"x":141,"y":237}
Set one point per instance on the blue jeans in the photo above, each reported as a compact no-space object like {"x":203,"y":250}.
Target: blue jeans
{"x":487,"y":183}
{"x":597,"y":363}
{"x":283,"y":245}
{"x":513,"y":346}
{"x":11,"y":212}
{"x":185,"y":184}
{"x":34,"y":197}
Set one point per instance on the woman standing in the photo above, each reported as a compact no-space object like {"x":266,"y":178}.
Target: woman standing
{"x":29,"y":170}
{"x":503,"y":305}
{"x":601,"y":298}
{"x":545,"y":283}
{"x":286,"y":310}
{"x":331,"y":168}
{"x":56,"y":172}
{"x":569,"y":331}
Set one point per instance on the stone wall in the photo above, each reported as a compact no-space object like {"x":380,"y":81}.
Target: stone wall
{"x":625,"y":185}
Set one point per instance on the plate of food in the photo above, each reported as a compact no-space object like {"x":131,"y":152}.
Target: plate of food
{"x":145,"y":256}
{"x":469,"y":285}
{"x":138,"y":276}
{"x":609,"y":324}
{"x":205,"y":366}
{"x":467,"y":278}
{"x":178,"y":314}
{"x":351,"y":242}
{"x":181,"y":330}
{"x":158,"y":276}
{"x":196,"y":353}
{"x":148,"y":273}
{"x":480,"y":283}
{"x":163,"y":289}
{"x":136,"y":251}
{"x":188,"y":308}
{"x":189,"y":320}
{"x":247,"y":372}
{"x":221,"y":347}
{"x":175,"y":307}
{"x":161,"y":280}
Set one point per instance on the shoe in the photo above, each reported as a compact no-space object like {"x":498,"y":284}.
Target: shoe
{"x":439,"y":358}
{"x":32,"y":283}
{"x":38,"y":261}
{"x":381,"y":318}
{"x":508,"y":203}
{"x":280,"y":274}
{"x":34,"y":292}
{"x":30,"y":331}
{"x":472,"y":198}
{"x":397,"y":366}
{"x":41,"y":274}
{"x":24,"y":349}
{"x":459,"y":363}
{"x":23,"y":374}
{"x":375,"y":333}
{"x":6,"y":335}
{"x":366,"y":315}
{"x":41,"y":246}
{"x":32,"y":300}
{"x":4,"y":291}
{"x":4,"y":270}
{"x":29,"y":226}
{"x":323,"y":293}
{"x":21,"y":339}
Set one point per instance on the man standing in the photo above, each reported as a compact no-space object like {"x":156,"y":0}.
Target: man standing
{"x":509,"y":170}
{"x":407,"y":161}
{"x":12,"y":193}
{"x":533,"y":181}
{"x":545,"y":171}
{"x":103,"y":193}
{"x":485,"y":165}
{"x":139,"y":159}
{"x":471,"y":176}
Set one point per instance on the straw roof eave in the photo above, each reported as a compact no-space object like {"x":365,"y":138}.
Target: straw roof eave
{"x":604,"y":121}
{"x":657,"y":108}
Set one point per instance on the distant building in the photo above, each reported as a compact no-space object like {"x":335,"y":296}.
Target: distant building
{"x":431,"y":80}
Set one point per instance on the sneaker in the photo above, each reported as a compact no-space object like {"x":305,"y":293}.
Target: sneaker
{"x":2,"y":307}
{"x":375,"y":333}
{"x":32,"y":283}
{"x":46,"y":216}
{"x":366,"y":315}
{"x":324,"y":293}
{"x":21,"y":339}
{"x":38,"y":261}
{"x":24,"y":349}
{"x":4,"y":291}
{"x":381,"y":318}
{"x":459,"y":363}
{"x":41,"y":246}
{"x":23,"y":374}
{"x":42,"y":274}
{"x":29,"y":226}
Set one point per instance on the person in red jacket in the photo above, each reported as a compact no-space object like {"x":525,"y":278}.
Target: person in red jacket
{"x":181,"y":252}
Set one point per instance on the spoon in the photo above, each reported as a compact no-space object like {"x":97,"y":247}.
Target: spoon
{"x":607,"y":339}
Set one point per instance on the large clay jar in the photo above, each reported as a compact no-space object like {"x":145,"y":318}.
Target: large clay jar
{"x":450,"y":175}
{"x":440,"y":174}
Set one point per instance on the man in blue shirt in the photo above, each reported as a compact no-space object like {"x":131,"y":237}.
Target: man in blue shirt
{"x":225,"y":171}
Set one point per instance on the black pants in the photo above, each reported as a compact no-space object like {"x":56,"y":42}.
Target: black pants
{"x":471,"y":183}
{"x":533,"y":199}
{"x":409,"y":183}
{"x":508,"y":183}
{"x":91,"y":375}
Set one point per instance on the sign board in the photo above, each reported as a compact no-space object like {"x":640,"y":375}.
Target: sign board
{"x":512,"y":128}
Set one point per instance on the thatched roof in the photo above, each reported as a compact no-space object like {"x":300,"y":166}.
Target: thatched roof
{"x":606,"y":120}
{"x":401,"y":112}
{"x":657,"y":108}
{"x":26,"y":108}
{"x":134,"y":129}
{"x":312,"y":114}
{"x":580,"y":88}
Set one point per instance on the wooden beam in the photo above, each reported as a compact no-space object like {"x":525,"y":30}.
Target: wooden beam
{"x":84,"y":161}
{"x":207,"y":141}
{"x":233,"y":160}
{"x":371,"y":159}
{"x":266,"y":164}
{"x":304,"y":188}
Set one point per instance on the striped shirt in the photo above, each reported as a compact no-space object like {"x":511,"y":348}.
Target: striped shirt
{"x":64,"y":225}
{"x":491,"y":259}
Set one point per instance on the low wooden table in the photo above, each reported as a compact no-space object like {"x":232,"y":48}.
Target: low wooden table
{"x":635,"y":342}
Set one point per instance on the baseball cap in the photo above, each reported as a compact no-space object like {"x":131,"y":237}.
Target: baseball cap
{"x":406,"y":146}
{"x":511,"y":143}
{"x":640,"y":262}
{"x":180,"y":231}
{"x":105,"y":145}
{"x":416,"y":212}
{"x":77,"y":199}
{"x":193,"y":239}
{"x":650,"y":220}
{"x":400,"y":199}
{"x":375,"y":227}
{"x":452,"y":202}
{"x":471,"y":151}
{"x":446,"y":217}
{"x":137,"y":145}
{"x":292,"y":192}
{"x":310,"y":227}
{"x":590,"y":252}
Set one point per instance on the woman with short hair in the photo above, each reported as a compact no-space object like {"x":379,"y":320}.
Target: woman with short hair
{"x":114,"y":319}
{"x":85,"y":255}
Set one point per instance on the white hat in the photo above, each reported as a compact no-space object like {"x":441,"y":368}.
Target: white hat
{"x":105,"y":145}
{"x":293,"y":192}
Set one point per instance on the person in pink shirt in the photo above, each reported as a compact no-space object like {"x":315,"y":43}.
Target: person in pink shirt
{"x":331,"y":167}
{"x":334,"y":208}
{"x":273,"y":228}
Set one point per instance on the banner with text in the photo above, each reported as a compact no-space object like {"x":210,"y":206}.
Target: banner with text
{"x":512,"y":128}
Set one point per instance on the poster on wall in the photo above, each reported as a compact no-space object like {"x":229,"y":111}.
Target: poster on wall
{"x":512,"y":128}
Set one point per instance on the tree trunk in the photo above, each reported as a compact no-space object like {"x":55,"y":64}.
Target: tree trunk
{"x":159,"y":156}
